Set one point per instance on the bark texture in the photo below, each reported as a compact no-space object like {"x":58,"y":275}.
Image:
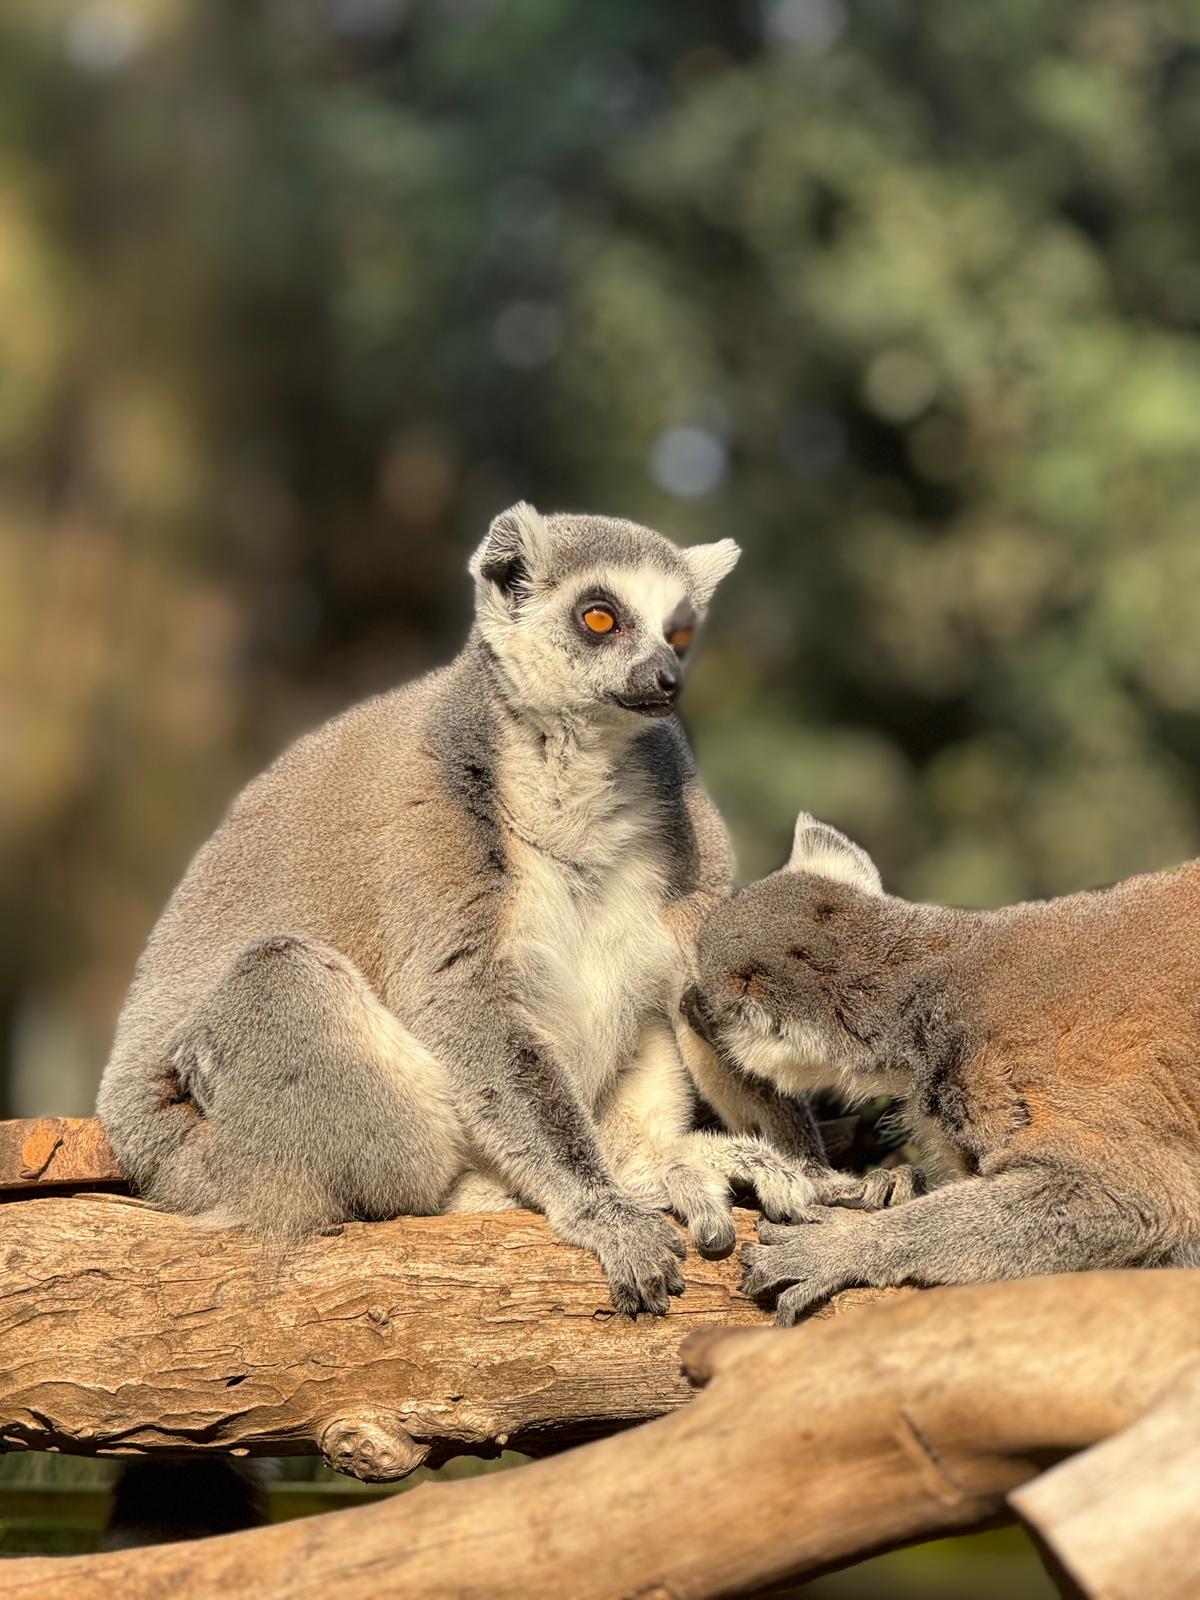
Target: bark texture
{"x":127,"y":1330}
{"x":808,"y":1448}
{"x":56,"y":1152}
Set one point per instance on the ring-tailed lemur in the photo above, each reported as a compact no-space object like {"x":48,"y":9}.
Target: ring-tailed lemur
{"x":431,"y":958}
{"x":1047,"y":1055}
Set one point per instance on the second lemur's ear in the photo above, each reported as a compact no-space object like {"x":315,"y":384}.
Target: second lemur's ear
{"x":818,"y":848}
{"x":708,"y":564}
{"x":512,"y":550}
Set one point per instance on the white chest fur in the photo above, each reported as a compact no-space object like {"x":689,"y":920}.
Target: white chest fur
{"x":584,"y":934}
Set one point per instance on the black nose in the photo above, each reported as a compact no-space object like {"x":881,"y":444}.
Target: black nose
{"x":668,"y":678}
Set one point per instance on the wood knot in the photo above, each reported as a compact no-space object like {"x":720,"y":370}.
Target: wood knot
{"x":373,"y":1446}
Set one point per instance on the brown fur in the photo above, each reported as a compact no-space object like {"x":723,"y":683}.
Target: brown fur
{"x":1048,"y":1053}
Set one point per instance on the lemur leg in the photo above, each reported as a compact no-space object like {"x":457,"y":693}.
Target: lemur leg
{"x":480,"y":1191}
{"x":746,"y":1105}
{"x":644,"y":1123}
{"x":1037,"y":1217}
{"x":313,"y":1104}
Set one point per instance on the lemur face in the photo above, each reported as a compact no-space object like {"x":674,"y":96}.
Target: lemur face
{"x":590,"y":616}
{"x":793,"y":971}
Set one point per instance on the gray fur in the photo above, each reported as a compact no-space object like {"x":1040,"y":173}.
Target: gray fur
{"x":1045,"y":1057}
{"x":431,"y":957}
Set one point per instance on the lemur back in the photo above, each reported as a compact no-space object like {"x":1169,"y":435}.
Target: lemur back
{"x":432,"y":957}
{"x":1048,"y":1054}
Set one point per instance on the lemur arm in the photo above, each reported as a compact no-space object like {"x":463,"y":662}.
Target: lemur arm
{"x":750,"y":1105}
{"x":1037,"y":1215}
{"x":522,"y":1115}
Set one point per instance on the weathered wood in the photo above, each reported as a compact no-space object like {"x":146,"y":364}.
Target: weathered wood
{"x":125,"y":1330}
{"x":56,"y":1152}
{"x":72,"y":1153}
{"x":808,"y":1448}
{"x":1122,"y":1521}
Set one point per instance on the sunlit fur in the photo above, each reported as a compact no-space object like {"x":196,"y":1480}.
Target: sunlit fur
{"x":432,"y":957}
{"x":1046,"y":1058}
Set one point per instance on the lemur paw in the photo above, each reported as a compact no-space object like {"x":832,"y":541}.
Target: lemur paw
{"x":803,"y":1265}
{"x":883,"y":1187}
{"x":640,"y":1252}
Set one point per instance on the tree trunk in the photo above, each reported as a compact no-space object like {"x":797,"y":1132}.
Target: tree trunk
{"x":808,"y":1448}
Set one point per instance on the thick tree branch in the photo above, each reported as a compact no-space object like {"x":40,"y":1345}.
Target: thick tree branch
{"x":1121,"y":1521}
{"x":123,"y":1329}
{"x":808,"y":1448}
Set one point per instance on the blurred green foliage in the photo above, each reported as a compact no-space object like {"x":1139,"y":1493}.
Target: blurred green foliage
{"x":296,"y":294}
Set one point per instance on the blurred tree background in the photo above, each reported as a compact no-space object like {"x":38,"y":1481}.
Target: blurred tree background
{"x":296,"y":294}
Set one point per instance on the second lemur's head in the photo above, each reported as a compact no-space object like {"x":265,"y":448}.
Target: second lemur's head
{"x":591,"y":618}
{"x":808,"y":976}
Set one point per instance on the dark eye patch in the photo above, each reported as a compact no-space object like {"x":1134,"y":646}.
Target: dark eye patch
{"x":600,"y":599}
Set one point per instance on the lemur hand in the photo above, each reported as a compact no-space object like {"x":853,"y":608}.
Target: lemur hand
{"x":639,"y":1249}
{"x":820,"y":1256}
{"x":881,"y":1187}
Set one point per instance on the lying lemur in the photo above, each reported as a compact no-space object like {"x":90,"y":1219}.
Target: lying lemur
{"x":1047,"y":1054}
{"x":432,"y":958}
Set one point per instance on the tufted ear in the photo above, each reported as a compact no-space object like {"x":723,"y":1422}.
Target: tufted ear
{"x":512,"y":550}
{"x":818,"y":848}
{"x":709,"y":563}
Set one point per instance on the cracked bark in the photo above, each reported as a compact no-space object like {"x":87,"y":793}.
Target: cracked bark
{"x":124,"y":1330}
{"x":799,"y":1455}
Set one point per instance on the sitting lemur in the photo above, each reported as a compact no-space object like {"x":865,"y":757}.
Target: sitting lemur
{"x":1046,"y":1056}
{"x":432,"y":958}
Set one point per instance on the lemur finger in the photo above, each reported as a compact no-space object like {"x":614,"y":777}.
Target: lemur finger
{"x":841,"y":1189}
{"x":675,"y":1242}
{"x":795,"y":1303}
{"x":758,"y":1278}
{"x":713,"y":1233}
{"x":877,"y":1189}
{"x":765,"y":1267}
{"x":907,"y":1183}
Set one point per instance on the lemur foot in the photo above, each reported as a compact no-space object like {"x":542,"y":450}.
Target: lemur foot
{"x":807,"y":1263}
{"x":640,"y":1251}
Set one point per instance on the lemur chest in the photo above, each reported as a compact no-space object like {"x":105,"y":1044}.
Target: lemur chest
{"x":590,"y":955}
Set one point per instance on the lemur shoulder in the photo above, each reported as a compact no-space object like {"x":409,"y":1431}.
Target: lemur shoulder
{"x":1046,"y":1057}
{"x":432,"y":957}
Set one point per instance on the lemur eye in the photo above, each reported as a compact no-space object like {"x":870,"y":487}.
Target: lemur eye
{"x":599,"y":619}
{"x":680,"y":638}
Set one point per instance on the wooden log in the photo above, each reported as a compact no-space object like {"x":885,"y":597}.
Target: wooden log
{"x":808,"y":1448}
{"x":56,"y":1153}
{"x":124,"y":1330}
{"x":1122,"y":1521}
{"x":72,"y":1153}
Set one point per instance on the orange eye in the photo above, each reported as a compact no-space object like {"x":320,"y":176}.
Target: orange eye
{"x":599,"y":619}
{"x":680,"y":638}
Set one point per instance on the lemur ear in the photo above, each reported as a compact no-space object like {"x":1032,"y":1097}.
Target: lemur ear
{"x":709,"y":563}
{"x":511,"y":551}
{"x":818,"y":848}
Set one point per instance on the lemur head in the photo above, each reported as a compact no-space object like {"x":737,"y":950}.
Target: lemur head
{"x":802,"y":976}
{"x":591,"y":617}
